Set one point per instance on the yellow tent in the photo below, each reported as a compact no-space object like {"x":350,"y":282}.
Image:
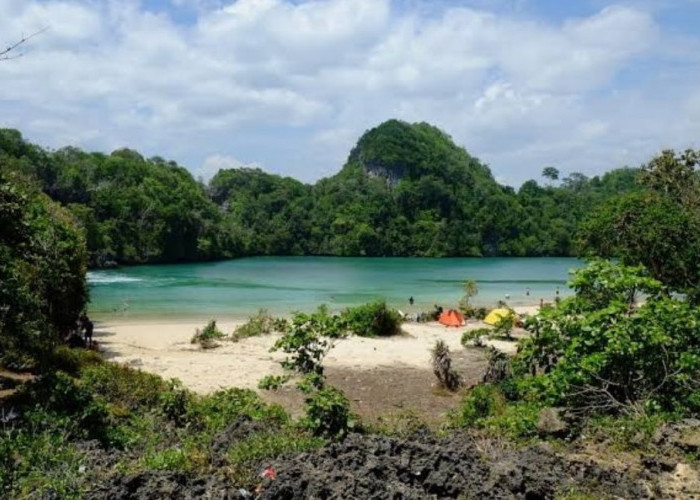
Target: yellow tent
{"x":494,"y":316}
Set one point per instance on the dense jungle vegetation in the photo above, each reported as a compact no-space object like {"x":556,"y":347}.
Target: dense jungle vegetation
{"x":406,"y":190}
{"x":599,"y":371}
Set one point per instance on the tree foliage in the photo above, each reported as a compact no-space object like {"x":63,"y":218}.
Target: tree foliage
{"x":658,"y":227}
{"x":42,"y":271}
{"x":601,"y":352}
{"x":405,"y":190}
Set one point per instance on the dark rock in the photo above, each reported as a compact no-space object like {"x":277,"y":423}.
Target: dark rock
{"x":166,"y":485}
{"x":377,"y":467}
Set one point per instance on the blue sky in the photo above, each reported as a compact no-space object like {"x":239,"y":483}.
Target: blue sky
{"x":289,"y":86}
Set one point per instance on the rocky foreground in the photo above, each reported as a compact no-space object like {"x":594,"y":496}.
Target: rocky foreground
{"x":456,"y":466}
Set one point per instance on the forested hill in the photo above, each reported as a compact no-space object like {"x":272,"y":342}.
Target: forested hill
{"x":406,"y":190}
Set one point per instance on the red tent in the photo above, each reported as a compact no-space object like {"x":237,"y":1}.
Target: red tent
{"x":451,"y":318}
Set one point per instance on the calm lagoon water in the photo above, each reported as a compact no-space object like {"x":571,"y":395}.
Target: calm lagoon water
{"x":238,"y":288}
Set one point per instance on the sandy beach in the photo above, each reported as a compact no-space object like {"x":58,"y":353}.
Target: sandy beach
{"x":164,"y":348}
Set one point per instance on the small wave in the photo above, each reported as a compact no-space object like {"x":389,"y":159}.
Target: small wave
{"x":95,"y":278}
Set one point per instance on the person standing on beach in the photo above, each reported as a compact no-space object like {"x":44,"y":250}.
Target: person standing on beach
{"x":527,"y":291}
{"x":89,"y":327}
{"x":410,"y":300}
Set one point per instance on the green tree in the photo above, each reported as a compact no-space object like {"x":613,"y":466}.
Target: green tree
{"x":600,"y":353}
{"x":42,"y":272}
{"x":550,"y":173}
{"x":658,"y":227}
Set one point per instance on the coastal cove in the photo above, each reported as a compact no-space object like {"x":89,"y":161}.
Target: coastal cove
{"x":238,"y":288}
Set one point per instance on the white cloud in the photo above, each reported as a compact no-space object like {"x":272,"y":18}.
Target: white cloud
{"x":294,"y":84}
{"x":212,"y":164}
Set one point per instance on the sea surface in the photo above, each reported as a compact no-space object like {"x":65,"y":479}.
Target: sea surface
{"x":282,"y":285}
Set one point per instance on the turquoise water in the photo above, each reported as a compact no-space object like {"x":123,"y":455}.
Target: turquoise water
{"x":238,"y":288}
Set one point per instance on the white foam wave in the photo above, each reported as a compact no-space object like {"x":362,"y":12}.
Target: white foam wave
{"x":110,"y":278}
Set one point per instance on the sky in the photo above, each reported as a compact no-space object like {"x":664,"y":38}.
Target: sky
{"x":290,"y":85}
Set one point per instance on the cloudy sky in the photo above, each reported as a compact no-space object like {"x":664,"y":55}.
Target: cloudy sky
{"x":289,"y":85}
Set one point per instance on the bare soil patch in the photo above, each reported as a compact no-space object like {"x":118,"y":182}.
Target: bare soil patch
{"x":383,"y":391}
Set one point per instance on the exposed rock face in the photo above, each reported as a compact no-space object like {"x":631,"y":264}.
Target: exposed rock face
{"x":426,"y":467}
{"x":374,"y":467}
{"x":167,"y":485}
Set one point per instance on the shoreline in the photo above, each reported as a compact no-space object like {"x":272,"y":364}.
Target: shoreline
{"x":528,"y":308}
{"x":163,"y":347}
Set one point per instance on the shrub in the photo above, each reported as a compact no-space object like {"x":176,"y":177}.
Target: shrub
{"x":41,"y":464}
{"x":482,"y":401}
{"x":71,"y":360}
{"x":328,"y":413}
{"x":442,"y":367}
{"x":633,"y":432}
{"x":480,"y":312}
{"x":124,"y":386}
{"x":174,"y":401}
{"x":214,"y":412}
{"x":374,"y":319}
{"x":66,"y":402}
{"x":260,"y":324}
{"x":485,"y":407}
{"x":475,"y":336}
{"x":273,"y":382}
{"x":504,"y":326}
{"x":208,"y":336}
{"x":403,"y":424}
{"x":600,"y":353}
{"x":307,"y":340}
{"x":470,"y":291}
{"x":499,"y":368}
{"x":280,"y":325}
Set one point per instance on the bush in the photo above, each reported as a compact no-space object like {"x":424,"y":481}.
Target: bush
{"x":480,"y":313}
{"x":41,"y":464}
{"x":65,"y":402}
{"x":504,"y":326}
{"x":123,"y":386}
{"x":308,"y":340}
{"x":485,"y":407}
{"x":442,"y":367}
{"x":373,"y":320}
{"x":470,"y":290}
{"x":475,"y":337}
{"x":482,"y":401}
{"x":71,"y":360}
{"x":260,"y":324}
{"x":499,"y":368}
{"x":628,"y":433}
{"x":328,"y":413}
{"x":207,"y":337}
{"x":273,"y":382}
{"x":216,"y":411}
{"x":598,"y":352}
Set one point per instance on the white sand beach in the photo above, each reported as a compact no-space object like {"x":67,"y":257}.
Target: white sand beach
{"x":164,"y":348}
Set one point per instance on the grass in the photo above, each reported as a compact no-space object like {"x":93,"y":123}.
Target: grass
{"x":260,"y":324}
{"x":207,"y":336}
{"x":246,"y":456}
{"x":34,"y":464}
{"x":142,"y":422}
